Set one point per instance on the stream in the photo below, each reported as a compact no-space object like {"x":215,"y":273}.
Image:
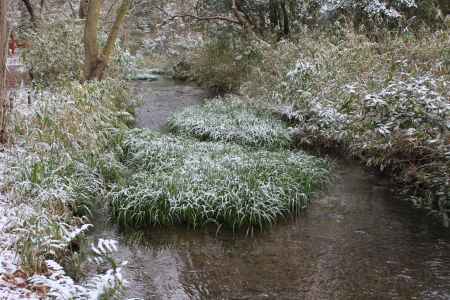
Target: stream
{"x":354,"y":242}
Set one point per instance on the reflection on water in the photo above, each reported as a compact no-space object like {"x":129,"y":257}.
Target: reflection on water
{"x":354,"y":242}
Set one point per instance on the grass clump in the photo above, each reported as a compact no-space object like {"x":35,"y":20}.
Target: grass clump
{"x":231,"y":120}
{"x":183,"y":181}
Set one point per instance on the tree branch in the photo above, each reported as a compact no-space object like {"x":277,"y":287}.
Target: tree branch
{"x":120,"y":18}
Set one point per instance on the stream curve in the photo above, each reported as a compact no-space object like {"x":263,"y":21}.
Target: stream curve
{"x":355,"y":241}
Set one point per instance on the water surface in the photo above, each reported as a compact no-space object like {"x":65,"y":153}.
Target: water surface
{"x":354,"y":242}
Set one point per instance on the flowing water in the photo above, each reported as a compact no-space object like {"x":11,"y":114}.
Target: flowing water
{"x":354,"y":242}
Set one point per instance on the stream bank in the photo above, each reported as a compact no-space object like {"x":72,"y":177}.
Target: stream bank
{"x":355,"y":242}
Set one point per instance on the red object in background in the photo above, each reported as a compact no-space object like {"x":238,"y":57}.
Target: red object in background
{"x":12,"y":44}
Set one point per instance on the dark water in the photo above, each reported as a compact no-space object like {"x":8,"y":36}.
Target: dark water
{"x":160,"y":99}
{"x":354,"y":242}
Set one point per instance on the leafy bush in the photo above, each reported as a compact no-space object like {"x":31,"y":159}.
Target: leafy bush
{"x":231,"y":120}
{"x":57,"y":52}
{"x":406,"y":128}
{"x":76,"y":116}
{"x":179,"y":180}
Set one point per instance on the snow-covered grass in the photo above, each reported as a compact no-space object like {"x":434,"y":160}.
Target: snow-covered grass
{"x":184,"y":181}
{"x":31,"y":234}
{"x":231,"y":120}
{"x":49,"y":180}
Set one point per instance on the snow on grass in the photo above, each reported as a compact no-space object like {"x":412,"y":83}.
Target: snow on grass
{"x":179,"y":180}
{"x":12,"y":284}
{"x":42,"y":178}
{"x":15,"y":220}
{"x":231,"y":120}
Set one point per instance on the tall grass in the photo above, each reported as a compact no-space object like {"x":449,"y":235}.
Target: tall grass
{"x":183,"y":181}
{"x":231,"y":120}
{"x":58,"y":175}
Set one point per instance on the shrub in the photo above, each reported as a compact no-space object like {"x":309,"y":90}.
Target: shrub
{"x":231,"y":120}
{"x":406,"y":128}
{"x":76,"y":116}
{"x":57,"y":52}
{"x":223,"y":63}
{"x":184,"y":181}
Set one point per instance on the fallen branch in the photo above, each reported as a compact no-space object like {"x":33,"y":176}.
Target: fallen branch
{"x":206,"y":18}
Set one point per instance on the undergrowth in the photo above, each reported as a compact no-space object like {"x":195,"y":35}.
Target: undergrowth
{"x":63,"y":138}
{"x":57,"y":55}
{"x":385,"y":103}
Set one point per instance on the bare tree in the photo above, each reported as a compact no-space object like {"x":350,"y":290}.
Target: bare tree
{"x":4,"y":102}
{"x":97,"y":60}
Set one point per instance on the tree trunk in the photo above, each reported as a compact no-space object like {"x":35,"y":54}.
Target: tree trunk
{"x":96,"y":61}
{"x":4,"y":102}
{"x":83,"y":9}
{"x":286,"y":23}
{"x":91,"y":51}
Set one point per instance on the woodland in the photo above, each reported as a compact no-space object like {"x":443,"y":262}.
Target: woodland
{"x":295,"y":88}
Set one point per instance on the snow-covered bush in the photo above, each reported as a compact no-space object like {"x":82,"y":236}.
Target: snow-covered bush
{"x":231,"y":120}
{"x":57,"y":54}
{"x":386,"y":104}
{"x":411,"y":110}
{"x":75,"y":116}
{"x":178,"y":180}
{"x":106,"y":285}
{"x":372,"y":15}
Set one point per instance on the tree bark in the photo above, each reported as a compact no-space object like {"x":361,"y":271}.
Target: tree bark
{"x":4,"y":102}
{"x":286,"y":23}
